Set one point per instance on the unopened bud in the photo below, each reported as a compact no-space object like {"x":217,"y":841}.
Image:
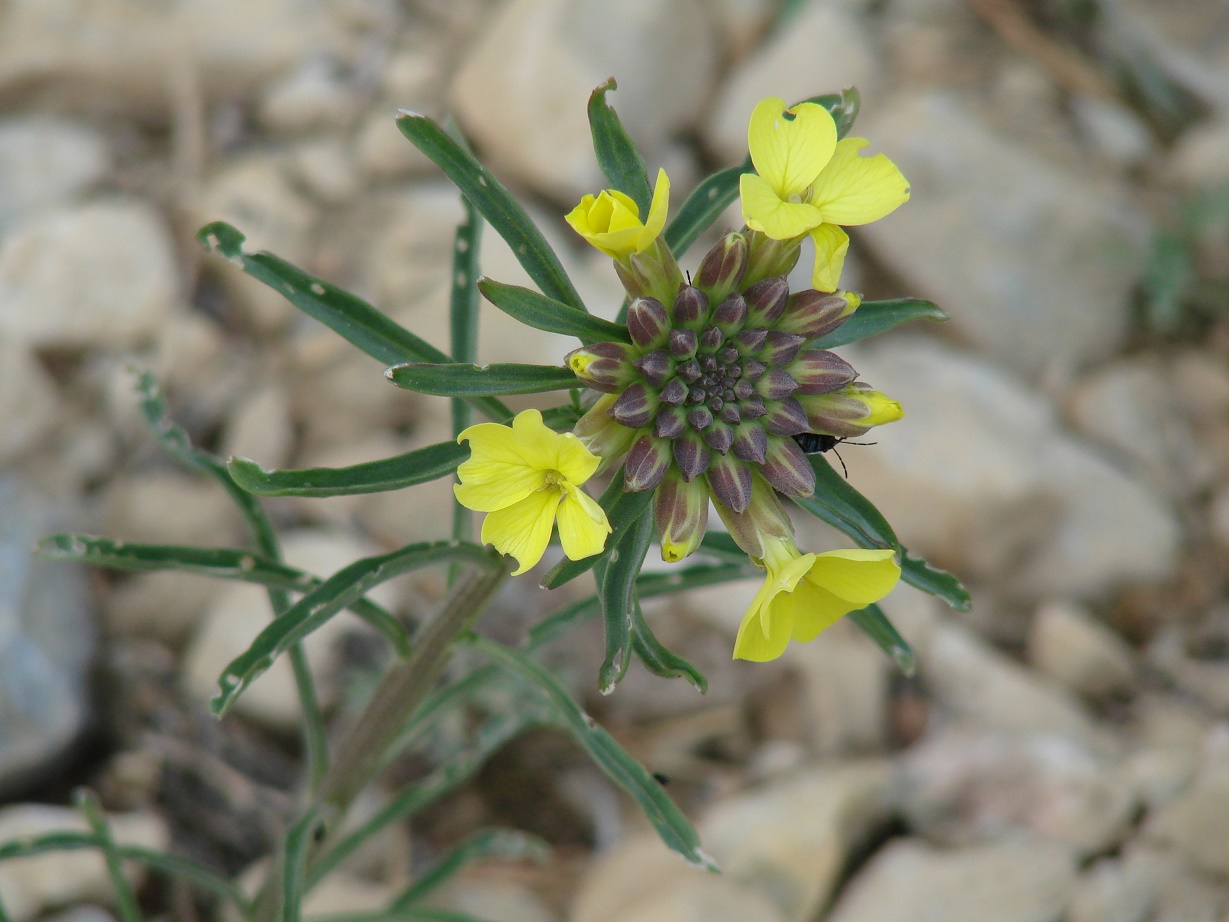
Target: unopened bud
{"x":722,"y":268}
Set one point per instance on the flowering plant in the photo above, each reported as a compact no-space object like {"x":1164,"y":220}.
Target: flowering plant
{"x":714,"y":388}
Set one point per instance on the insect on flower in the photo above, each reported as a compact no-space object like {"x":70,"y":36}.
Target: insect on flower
{"x":815,"y":443}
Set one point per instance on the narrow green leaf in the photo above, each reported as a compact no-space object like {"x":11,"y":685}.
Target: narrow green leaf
{"x":842,"y":106}
{"x":921,"y":575}
{"x":406,"y":470}
{"x":299,"y":840}
{"x":486,"y":843}
{"x":836,"y":502}
{"x":705,"y":204}
{"x":496,"y":205}
{"x":481,"y":380}
{"x":618,"y":765}
{"x":622,"y":509}
{"x":616,"y":578}
{"x":875,"y":623}
{"x":875,"y":317}
{"x":339,"y":591}
{"x":543,"y":313}
{"x":621,"y":163}
{"x":659,"y":659}
{"x":463,"y":313}
{"x":219,"y":563}
{"x":125,"y":899}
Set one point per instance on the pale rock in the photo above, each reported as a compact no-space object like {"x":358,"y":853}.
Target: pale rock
{"x":256,"y":195}
{"x":742,"y":24}
{"x":909,"y":881}
{"x":165,"y":606}
{"x":1133,"y":406}
{"x":1218,"y":515}
{"x":492,"y":900}
{"x":97,"y":276}
{"x":81,"y":914}
{"x":1157,"y":774}
{"x":413,"y":73}
{"x":29,"y":404}
{"x":195,"y":362}
{"x":46,"y":161}
{"x":341,"y":892}
{"x":1115,"y":130}
{"x":1106,"y":892}
{"x":327,"y":168}
{"x":1167,"y":721}
{"x":47,"y":641}
{"x":137,"y":504}
{"x":28,"y":886}
{"x":979,"y":476}
{"x":1198,"y":162}
{"x":1205,"y":680}
{"x":638,"y":880}
{"x":826,"y":48}
{"x":261,"y":426}
{"x":1196,"y":822}
{"x":382,"y":152}
{"x":961,"y":787}
{"x":790,"y":840}
{"x":522,"y":88}
{"x":312,"y":95}
{"x":1067,"y":644}
{"x":238,"y":613}
{"x":1003,"y":239}
{"x":1181,"y":894}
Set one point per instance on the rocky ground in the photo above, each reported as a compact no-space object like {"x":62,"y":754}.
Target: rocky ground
{"x":1063,"y":753}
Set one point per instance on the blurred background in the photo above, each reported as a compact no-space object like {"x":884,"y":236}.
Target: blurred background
{"x":1063,"y":753}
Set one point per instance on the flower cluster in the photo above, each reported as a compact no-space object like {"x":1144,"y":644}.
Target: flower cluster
{"x":716,"y":377}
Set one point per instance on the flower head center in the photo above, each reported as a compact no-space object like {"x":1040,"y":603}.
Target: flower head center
{"x":551,"y":480}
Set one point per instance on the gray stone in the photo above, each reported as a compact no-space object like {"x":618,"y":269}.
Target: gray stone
{"x":28,"y":402}
{"x":522,"y":88}
{"x":311,"y":95}
{"x":979,"y":475}
{"x":47,"y":640}
{"x":99,"y":276}
{"x":962,"y":787}
{"x":46,"y":161}
{"x":1106,"y":892}
{"x":1197,"y":161}
{"x":1078,"y":652}
{"x":1119,"y":134}
{"x":1181,"y":894}
{"x":909,"y":881}
{"x":1004,"y":240}
{"x":1196,"y":823}
{"x":261,"y":427}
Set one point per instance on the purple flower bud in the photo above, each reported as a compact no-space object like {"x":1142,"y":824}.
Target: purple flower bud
{"x":753,"y":369}
{"x":788,"y":469}
{"x":813,"y":314}
{"x":674,"y":393}
{"x":743,"y":389}
{"x":750,"y":443}
{"x":730,"y":355}
{"x":646,"y":464}
{"x":692,"y":456}
{"x":751,"y":341}
{"x":776,"y":384}
{"x":730,"y":482}
{"x":731,"y":314}
{"x":785,"y":418}
{"x":652,"y":274}
{"x":711,"y":339}
{"x":780,"y":348}
{"x":680,"y":511}
{"x":656,"y":366}
{"x":690,"y":308}
{"x":766,"y":301}
{"x":753,"y":407}
{"x":683,"y":343}
{"x":648,"y":323}
{"x":634,"y":407}
{"x":818,"y":371}
{"x":719,"y":437}
{"x":670,"y":423}
{"x":603,"y":366}
{"x":700,"y":418}
{"x":730,"y":414}
{"x":723,"y":266}
{"x":767,"y":257}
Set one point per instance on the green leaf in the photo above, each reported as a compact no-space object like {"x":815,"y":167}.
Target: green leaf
{"x":610,"y":757}
{"x":921,"y":575}
{"x":720,"y":545}
{"x":481,"y":380}
{"x":220,"y":563}
{"x":621,"y":163}
{"x":126,"y":900}
{"x":486,"y":843}
{"x":842,"y":106}
{"x":705,"y":204}
{"x":299,"y":840}
{"x":337,"y":592}
{"x":622,"y":509}
{"x":496,"y":205}
{"x":658,"y":658}
{"x":875,"y":317}
{"x":875,"y":623}
{"x":413,"y":467}
{"x":616,"y":578}
{"x":543,"y":313}
{"x":836,"y":502}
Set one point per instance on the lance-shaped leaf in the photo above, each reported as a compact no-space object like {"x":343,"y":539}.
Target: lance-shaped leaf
{"x":335,"y":593}
{"x":486,"y":843}
{"x":495,"y":204}
{"x":875,"y":317}
{"x":658,"y":658}
{"x":454,"y":380}
{"x":836,"y":502}
{"x":543,"y":313}
{"x":925,"y":576}
{"x":617,"y":156}
{"x":876,"y":625}
{"x":616,"y":578}
{"x":610,"y":757}
{"x":413,"y":467}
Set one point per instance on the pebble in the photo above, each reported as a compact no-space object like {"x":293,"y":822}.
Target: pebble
{"x":474,"y":896}
{"x":326,"y":167}
{"x":964,"y":787}
{"x":980,"y":475}
{"x":136,"y":506}
{"x":121,"y":289}
{"x":1003,"y":239}
{"x":1067,"y":644}
{"x":1197,"y":161}
{"x":382,"y":152}
{"x":1196,"y":822}
{"x":1113,"y":129}
{"x":909,"y":881}
{"x":310,"y":96}
{"x":1107,"y":892}
{"x":537,"y":63}
{"x":47,"y":641}
{"x":165,"y":606}
{"x":29,"y":404}
{"x":46,"y":161}
{"x":261,"y":427}
{"x":31,"y":885}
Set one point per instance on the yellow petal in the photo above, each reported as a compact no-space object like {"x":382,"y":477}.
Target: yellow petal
{"x":536,"y":441}
{"x":831,"y":245}
{"x":656,"y":220}
{"x":523,"y":529}
{"x":855,"y":190}
{"x":766,"y":212}
{"x":489,"y":485}
{"x":572,"y":459}
{"x":753,"y":644}
{"x":582,"y":524}
{"x":789,"y":153}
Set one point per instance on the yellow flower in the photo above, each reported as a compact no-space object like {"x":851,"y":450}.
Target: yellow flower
{"x":805,"y":593}
{"x":610,"y":221}
{"x":526,"y":476}
{"x":809,"y":182}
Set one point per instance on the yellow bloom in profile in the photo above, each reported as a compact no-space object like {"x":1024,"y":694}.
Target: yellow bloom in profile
{"x":526,"y":477}
{"x":610,"y":221}
{"x":805,"y":593}
{"x":808,"y":182}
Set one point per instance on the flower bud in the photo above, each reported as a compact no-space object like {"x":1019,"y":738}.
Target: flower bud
{"x":766,"y":301}
{"x":851,"y":411}
{"x":680,"y":511}
{"x":648,"y":323}
{"x":656,"y":366}
{"x":719,"y":436}
{"x":788,"y":469}
{"x":763,"y":519}
{"x":785,"y":418}
{"x":777,"y":384}
{"x":670,"y":422}
{"x":652,"y":274}
{"x":730,"y":314}
{"x":750,"y":443}
{"x":767,"y":257}
{"x":635,"y":407}
{"x":647,"y":463}
{"x":601,"y":434}
{"x":722,"y":268}
{"x":780,"y":348}
{"x":812,"y":314}
{"x":692,"y":456}
{"x":820,"y":372}
{"x":690,"y":308}
{"x":730,"y":481}
{"x":603,"y":366}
